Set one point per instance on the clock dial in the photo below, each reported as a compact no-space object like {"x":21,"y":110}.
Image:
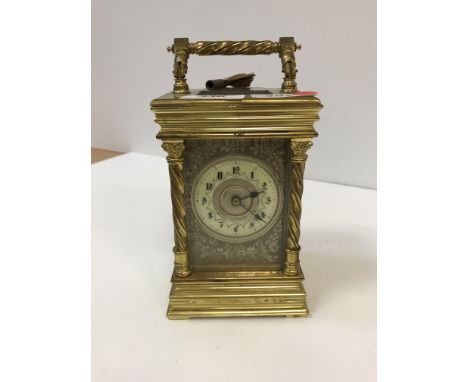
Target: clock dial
{"x":236,"y":198}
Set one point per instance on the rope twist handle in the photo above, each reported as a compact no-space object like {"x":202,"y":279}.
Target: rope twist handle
{"x":285,"y":47}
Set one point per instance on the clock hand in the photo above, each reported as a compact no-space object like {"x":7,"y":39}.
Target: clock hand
{"x":253,"y":194}
{"x":257,"y":216}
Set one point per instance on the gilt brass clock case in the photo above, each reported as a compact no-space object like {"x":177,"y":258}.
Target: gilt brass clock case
{"x":214,"y":276}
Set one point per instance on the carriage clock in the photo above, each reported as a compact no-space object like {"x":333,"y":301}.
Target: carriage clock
{"x":236,"y":161}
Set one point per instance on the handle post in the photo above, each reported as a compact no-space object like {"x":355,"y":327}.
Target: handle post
{"x":181,"y":55}
{"x":286,"y":50}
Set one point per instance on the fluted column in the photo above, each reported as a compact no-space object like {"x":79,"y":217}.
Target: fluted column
{"x":175,"y":159}
{"x":299,"y":148}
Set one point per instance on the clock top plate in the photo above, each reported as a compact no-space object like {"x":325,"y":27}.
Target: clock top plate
{"x":248,"y":93}
{"x":236,"y":113}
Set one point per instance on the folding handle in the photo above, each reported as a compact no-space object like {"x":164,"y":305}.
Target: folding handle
{"x":285,"y":48}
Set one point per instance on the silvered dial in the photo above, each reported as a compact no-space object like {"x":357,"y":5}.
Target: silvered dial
{"x":236,"y":198}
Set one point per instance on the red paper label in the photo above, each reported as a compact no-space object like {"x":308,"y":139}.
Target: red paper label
{"x":305,"y":93}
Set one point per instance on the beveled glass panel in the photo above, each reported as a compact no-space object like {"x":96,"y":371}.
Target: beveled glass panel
{"x":215,"y":248}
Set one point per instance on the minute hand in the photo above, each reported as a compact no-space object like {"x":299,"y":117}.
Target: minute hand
{"x":253,"y":194}
{"x":257,"y":216}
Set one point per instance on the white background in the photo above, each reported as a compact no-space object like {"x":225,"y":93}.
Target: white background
{"x":130,"y":67}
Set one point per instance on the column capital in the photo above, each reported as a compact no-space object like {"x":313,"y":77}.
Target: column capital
{"x":174,"y":150}
{"x":299,"y":148}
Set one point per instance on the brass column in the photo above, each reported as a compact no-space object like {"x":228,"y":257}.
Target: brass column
{"x":175,"y":159}
{"x":299,"y":148}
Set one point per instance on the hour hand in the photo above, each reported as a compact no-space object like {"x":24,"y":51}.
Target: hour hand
{"x":252,"y":195}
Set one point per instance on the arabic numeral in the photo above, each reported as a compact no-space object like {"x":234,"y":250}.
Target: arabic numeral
{"x":251,"y":225}
{"x":252,"y":175}
{"x":209,"y":186}
{"x":236,"y":228}
{"x":235,"y":170}
{"x":203,"y":201}
{"x":264,"y":186}
{"x":267,"y":200}
{"x":262,"y":214}
{"x":220,"y":175}
{"x":210,"y":215}
{"x":221,"y":224}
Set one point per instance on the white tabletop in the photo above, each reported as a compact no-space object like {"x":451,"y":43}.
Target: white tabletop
{"x":132,"y":261}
